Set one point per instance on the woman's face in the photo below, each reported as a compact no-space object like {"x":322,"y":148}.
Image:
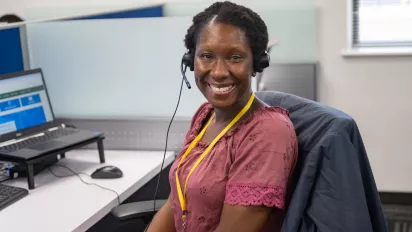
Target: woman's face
{"x":223,"y":65}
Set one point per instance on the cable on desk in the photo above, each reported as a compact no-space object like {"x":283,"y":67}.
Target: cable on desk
{"x":87,"y":183}
{"x":59,"y":165}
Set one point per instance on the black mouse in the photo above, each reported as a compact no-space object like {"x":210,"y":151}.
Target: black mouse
{"x":107,"y":172}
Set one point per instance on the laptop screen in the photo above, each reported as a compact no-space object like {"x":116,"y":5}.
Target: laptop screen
{"x":23,"y":103}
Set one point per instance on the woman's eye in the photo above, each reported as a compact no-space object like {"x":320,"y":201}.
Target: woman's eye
{"x":236,"y":57}
{"x":206,"y":56}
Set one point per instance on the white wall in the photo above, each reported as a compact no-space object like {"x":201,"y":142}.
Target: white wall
{"x":35,"y":9}
{"x":122,"y":65}
{"x":376,"y":91}
{"x":291,"y":23}
{"x":21,"y":6}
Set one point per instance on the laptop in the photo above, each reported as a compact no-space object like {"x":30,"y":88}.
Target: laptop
{"x":28,"y":127}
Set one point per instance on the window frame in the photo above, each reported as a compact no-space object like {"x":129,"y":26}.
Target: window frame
{"x":373,"y":49}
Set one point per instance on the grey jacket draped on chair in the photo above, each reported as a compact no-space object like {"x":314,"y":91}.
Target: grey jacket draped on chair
{"x":335,"y":190}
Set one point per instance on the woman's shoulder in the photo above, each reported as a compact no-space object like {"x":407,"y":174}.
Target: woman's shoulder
{"x":197,"y":120}
{"x":268,"y":129}
{"x":203,"y":110}
{"x":272,"y":113}
{"x":201,"y":113}
{"x":267,"y":119}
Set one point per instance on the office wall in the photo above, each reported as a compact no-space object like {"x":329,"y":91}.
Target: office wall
{"x":376,"y":91}
{"x":120,"y":54}
{"x":13,"y":39}
{"x":143,"y":12}
{"x":111,"y":68}
{"x":292,"y":23}
{"x":40,"y":9}
{"x":63,"y":7}
{"x":70,"y":11}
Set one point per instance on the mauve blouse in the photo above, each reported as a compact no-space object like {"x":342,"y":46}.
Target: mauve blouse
{"x":250,"y":165}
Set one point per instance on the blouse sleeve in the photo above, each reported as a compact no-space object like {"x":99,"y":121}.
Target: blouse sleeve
{"x":263,"y":161}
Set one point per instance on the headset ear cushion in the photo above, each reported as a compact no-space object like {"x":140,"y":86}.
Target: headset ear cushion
{"x":262,"y":63}
{"x":188,"y":60}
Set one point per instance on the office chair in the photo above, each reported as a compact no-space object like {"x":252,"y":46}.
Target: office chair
{"x":315,"y":125}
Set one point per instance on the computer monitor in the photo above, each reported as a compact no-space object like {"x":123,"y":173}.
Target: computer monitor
{"x":24,"y":102}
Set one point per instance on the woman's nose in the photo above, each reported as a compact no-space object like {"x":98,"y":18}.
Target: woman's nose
{"x":220,"y":69}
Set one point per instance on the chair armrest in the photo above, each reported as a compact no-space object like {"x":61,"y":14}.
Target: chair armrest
{"x":136,"y":209}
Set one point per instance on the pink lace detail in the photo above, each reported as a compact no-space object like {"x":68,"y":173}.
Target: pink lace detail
{"x":247,"y":194}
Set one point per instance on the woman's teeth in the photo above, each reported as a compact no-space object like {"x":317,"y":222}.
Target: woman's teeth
{"x":222,"y":89}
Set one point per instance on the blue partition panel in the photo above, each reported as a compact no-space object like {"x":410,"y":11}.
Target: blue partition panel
{"x":137,"y":13}
{"x":11,"y":58}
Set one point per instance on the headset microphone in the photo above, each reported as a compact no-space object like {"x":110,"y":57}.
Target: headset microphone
{"x":183,"y":68}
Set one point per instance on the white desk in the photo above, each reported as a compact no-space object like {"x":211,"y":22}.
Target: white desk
{"x":67,"y":204}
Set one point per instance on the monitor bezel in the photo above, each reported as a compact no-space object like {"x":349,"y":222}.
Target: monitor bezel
{"x":35,"y":129}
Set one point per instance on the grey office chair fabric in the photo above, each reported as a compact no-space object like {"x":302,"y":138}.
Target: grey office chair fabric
{"x":335,"y":190}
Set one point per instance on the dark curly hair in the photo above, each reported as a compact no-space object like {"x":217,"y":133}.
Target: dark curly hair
{"x":10,"y":18}
{"x":236,"y":15}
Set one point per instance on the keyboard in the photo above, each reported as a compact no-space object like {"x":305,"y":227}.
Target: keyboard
{"x":9,"y":195}
{"x":48,"y":135}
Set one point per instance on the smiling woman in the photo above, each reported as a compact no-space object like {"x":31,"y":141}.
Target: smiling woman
{"x":223,"y":64}
{"x":234,"y":171}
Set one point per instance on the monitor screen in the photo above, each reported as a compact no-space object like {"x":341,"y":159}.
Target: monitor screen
{"x":23,"y":103}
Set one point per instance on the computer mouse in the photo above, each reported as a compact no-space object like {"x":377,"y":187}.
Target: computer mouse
{"x":107,"y":172}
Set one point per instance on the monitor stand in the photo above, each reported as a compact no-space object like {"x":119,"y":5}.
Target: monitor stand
{"x":30,"y":164}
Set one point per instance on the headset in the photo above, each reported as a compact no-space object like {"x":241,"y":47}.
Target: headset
{"x":188,"y":60}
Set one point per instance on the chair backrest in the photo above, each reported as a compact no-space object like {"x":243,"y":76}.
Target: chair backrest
{"x":313,"y":123}
{"x":311,"y":119}
{"x":317,"y":126}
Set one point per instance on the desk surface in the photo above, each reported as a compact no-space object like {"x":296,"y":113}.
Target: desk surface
{"x":67,"y":204}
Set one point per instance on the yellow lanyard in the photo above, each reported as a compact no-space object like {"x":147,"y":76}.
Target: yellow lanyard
{"x":182,"y":195}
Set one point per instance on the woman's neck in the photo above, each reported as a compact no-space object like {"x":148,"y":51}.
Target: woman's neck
{"x":225,"y":115}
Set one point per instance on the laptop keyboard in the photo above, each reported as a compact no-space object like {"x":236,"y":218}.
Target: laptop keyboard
{"x":49,"y":135}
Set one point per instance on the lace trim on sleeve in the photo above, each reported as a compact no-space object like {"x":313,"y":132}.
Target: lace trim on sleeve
{"x":251,"y":194}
